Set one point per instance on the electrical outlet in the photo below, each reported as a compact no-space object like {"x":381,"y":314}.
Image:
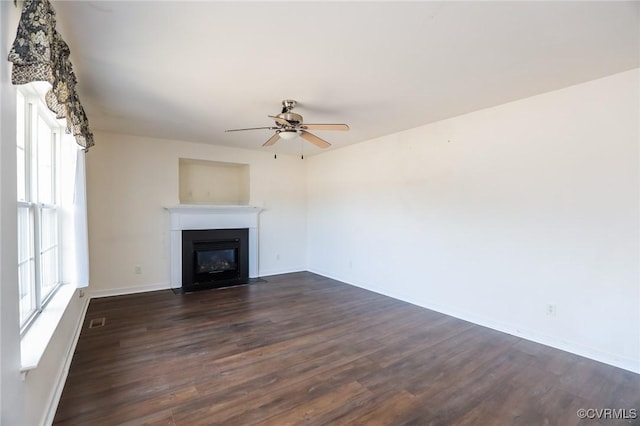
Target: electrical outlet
{"x":138,"y":269}
{"x":551,"y":309}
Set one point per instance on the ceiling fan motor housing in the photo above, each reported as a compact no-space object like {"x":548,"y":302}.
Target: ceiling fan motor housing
{"x":291,"y":117}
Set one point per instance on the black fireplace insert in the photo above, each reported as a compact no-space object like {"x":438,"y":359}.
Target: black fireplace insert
{"x":214,"y":258}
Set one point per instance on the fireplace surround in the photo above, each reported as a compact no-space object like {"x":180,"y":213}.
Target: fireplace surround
{"x":212,"y":218}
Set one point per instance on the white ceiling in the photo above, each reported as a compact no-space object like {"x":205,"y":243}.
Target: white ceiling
{"x":189,"y":70}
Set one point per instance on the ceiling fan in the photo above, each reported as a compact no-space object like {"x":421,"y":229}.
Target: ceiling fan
{"x":288,"y":125}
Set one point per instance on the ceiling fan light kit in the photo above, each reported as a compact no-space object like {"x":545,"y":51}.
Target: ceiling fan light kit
{"x":289,"y":125}
{"x":287,"y":134}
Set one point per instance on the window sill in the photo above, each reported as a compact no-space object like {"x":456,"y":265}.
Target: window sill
{"x":37,"y":337}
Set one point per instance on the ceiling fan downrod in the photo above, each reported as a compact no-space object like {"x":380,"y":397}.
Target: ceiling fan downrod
{"x":288,"y":105}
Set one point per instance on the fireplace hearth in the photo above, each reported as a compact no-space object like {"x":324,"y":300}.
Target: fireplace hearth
{"x":214,"y":258}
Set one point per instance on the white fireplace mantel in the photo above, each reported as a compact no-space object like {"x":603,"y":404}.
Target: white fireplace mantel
{"x":197,"y":216}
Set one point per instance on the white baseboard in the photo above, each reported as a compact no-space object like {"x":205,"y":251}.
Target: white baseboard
{"x":96,"y":294}
{"x":269,"y":272}
{"x":130,"y":290}
{"x":62,"y":377}
{"x":595,"y":354}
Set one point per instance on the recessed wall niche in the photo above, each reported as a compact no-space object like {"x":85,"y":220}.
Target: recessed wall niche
{"x":213,"y":182}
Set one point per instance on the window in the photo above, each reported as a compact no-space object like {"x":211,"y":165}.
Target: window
{"x":39,"y":137}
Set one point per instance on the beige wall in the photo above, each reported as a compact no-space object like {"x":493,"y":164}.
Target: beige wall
{"x":494,"y":215}
{"x":131,"y":179}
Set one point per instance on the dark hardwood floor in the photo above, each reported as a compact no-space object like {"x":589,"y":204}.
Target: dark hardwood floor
{"x":304,"y":349}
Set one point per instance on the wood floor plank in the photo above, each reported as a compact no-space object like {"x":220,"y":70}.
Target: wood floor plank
{"x":305,"y":349}
{"x":323,"y":409}
{"x":381,"y":409}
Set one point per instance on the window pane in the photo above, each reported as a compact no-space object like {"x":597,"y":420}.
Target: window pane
{"x":48,"y":271}
{"x":21,"y":120}
{"x":45,"y":163}
{"x":21,"y":147}
{"x":26,"y":263}
{"x":27,"y":290}
{"x":48,"y":228}
{"x":22,"y":193}
{"x":25,"y":232}
{"x":49,"y":250}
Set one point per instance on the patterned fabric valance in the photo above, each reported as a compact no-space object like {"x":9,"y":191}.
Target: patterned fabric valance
{"x":40,"y":54}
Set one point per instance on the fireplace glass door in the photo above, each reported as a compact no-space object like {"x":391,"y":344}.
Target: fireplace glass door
{"x":215,"y":261}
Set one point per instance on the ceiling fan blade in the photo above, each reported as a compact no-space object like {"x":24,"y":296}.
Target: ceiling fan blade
{"x":321,"y":143}
{"x":280,"y":120}
{"x":251,"y":128}
{"x":273,"y":139}
{"x":324,"y":126}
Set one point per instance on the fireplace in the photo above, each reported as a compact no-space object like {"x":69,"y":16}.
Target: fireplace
{"x":212,"y":228}
{"x":214,"y":258}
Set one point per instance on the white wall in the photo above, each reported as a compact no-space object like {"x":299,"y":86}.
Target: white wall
{"x":11,"y":386}
{"x":493,"y":215}
{"x":130,"y":180}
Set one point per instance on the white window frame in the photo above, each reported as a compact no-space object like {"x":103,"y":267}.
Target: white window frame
{"x":35,"y":110}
